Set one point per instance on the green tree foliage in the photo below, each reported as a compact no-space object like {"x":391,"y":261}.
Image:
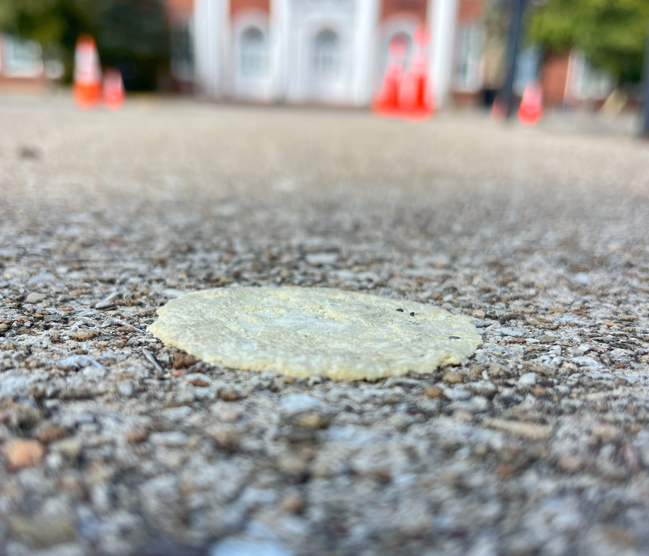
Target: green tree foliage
{"x":612,"y":33}
{"x":131,"y":34}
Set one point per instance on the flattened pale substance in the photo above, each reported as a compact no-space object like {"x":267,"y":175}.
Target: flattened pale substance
{"x":304,"y":332}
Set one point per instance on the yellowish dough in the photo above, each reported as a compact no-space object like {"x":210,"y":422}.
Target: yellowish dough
{"x":303,"y":332}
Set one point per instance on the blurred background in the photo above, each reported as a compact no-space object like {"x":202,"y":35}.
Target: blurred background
{"x":583,"y":52}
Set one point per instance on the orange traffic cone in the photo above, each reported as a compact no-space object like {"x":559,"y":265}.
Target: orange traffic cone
{"x":387,"y":102}
{"x":113,"y":89}
{"x":416,"y":99}
{"x":87,"y":73}
{"x":531,"y":107}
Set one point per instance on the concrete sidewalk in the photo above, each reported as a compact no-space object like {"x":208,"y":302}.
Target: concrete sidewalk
{"x":115,"y":444}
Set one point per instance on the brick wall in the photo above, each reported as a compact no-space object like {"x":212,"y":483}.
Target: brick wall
{"x":237,"y":6}
{"x":413,"y":8}
{"x":469,"y":10}
{"x":554,"y":74}
{"x":180,"y":9}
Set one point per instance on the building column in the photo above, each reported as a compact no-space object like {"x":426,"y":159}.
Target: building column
{"x":442,"y":24}
{"x":224,"y":47}
{"x":209,"y":27}
{"x":278,"y":26}
{"x":201,"y":33}
{"x":366,"y":20}
{"x":292,"y":70}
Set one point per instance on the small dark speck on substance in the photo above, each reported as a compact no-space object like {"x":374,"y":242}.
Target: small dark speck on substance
{"x":412,"y":314}
{"x":400,"y":310}
{"x":453,"y":337}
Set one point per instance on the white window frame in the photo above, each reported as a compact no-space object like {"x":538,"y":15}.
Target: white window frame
{"x":470,"y":55}
{"x":253,"y":55}
{"x":11,"y":45}
{"x":320,"y":59}
{"x":585,"y":82}
{"x":393,"y":26}
{"x":258,"y":88}
{"x":183,"y":69}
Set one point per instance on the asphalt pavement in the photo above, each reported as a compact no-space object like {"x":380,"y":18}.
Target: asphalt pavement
{"x":112,"y":443}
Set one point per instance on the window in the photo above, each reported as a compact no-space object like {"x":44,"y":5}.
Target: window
{"x":402,"y":38}
{"x":405,"y":39}
{"x":253,"y":55}
{"x":589,"y":81}
{"x":326,"y":55}
{"x":182,"y":53}
{"x":467,"y":70}
{"x":22,"y":58}
{"x":527,"y":68}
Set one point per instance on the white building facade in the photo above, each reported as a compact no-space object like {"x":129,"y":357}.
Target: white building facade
{"x":321,"y":51}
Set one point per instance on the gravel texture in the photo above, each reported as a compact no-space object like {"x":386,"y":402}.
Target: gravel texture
{"x":113,"y":444}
